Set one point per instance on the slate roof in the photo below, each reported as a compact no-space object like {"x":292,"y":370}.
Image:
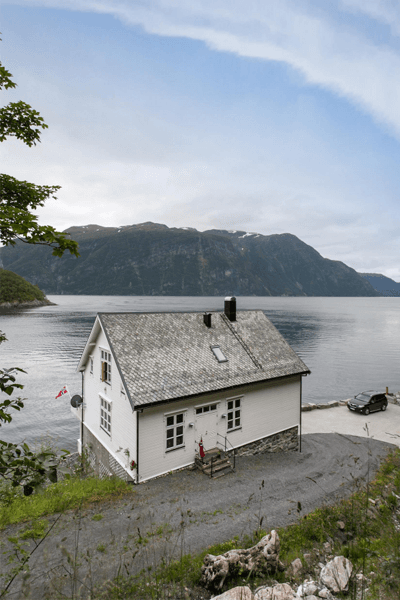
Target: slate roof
{"x":166,"y":356}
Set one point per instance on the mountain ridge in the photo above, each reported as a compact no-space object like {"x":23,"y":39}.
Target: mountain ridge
{"x":154,"y":259}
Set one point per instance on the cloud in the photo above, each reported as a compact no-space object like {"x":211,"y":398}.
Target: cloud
{"x":385,"y":11}
{"x":328,"y":50}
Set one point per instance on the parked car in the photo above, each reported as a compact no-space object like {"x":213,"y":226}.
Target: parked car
{"x":368,"y":402}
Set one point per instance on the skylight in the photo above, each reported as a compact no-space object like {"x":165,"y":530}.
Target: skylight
{"x":219,"y":355}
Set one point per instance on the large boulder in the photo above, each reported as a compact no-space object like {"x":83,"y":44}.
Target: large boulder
{"x":261,"y":559}
{"x":280,"y":591}
{"x":336,"y":574}
{"x":236,"y":593}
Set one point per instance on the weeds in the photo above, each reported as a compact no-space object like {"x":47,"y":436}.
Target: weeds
{"x":368,"y":534}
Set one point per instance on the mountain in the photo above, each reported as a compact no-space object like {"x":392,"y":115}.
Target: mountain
{"x":383,"y":285}
{"x":16,"y":291}
{"x":153,"y":259}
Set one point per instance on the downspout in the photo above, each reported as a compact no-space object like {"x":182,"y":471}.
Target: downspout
{"x":138,"y":411}
{"x":301,"y":400}
{"x":82,"y":423}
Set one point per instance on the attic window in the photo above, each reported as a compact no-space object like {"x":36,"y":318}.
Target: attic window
{"x":219,"y":355}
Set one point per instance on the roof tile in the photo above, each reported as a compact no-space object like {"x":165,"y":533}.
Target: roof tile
{"x":164,"y":356}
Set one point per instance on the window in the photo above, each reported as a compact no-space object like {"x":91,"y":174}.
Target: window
{"x":200,"y":410}
{"x":91,"y":365}
{"x":219,"y":355}
{"x":175,"y":431}
{"x":234,"y":413}
{"x":105,"y":415}
{"x":106,"y":366}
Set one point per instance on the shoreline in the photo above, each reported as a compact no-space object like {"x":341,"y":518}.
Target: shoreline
{"x":28,"y":304}
{"x":392,"y":399}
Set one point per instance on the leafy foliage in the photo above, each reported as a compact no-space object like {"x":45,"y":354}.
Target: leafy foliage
{"x":18,"y":464}
{"x":20,"y":120}
{"x":19,"y":198}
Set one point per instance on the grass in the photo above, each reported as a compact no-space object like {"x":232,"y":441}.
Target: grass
{"x":370,"y":538}
{"x":58,"y":497}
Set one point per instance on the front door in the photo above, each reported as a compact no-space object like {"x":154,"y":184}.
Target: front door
{"x":207,"y":425}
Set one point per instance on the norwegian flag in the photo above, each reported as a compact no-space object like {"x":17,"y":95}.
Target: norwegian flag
{"x":62,"y":392}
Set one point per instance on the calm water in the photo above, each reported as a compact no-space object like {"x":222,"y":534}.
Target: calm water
{"x":350,"y":345}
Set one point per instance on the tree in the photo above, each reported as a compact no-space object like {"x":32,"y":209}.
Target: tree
{"x":18,"y":199}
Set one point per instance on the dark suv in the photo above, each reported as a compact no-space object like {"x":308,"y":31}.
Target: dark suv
{"x":368,"y":402}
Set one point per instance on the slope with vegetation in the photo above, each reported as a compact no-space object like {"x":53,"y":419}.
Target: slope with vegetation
{"x":153,"y":259}
{"x":16,"y":291}
{"x":365,"y":527}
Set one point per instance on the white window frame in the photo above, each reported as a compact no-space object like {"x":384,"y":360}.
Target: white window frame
{"x":237,"y":407}
{"x":201,"y":408}
{"x":105,"y":414}
{"x":105,"y":366}
{"x":178,"y":429}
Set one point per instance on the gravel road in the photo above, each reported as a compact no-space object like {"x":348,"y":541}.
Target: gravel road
{"x":187,"y":511}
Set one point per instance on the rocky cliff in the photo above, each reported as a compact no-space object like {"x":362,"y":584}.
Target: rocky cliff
{"x":152,"y":259}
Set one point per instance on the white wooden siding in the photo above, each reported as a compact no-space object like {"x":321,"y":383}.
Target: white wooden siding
{"x":266,"y":409}
{"x":123,"y":419}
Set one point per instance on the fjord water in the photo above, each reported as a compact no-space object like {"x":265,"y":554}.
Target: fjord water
{"x":349,"y":344}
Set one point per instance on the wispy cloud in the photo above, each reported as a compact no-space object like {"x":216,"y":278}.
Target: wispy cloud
{"x":327,"y":48}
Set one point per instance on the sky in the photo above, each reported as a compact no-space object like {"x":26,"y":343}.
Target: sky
{"x":257,"y":115}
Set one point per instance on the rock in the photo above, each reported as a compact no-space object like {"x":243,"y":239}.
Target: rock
{"x":307,"y":588}
{"x":336,"y":574}
{"x":324,"y":593}
{"x":263,"y":593}
{"x":340,"y":525}
{"x":281,"y":591}
{"x":327,"y":548}
{"x":295,"y":567}
{"x":237,"y":593}
{"x":307,"y":557}
{"x":261,"y":559}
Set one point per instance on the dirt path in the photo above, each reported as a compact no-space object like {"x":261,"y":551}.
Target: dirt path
{"x":187,"y":512}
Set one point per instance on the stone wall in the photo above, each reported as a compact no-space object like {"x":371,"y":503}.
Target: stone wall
{"x":100,"y":460}
{"x":283,"y":441}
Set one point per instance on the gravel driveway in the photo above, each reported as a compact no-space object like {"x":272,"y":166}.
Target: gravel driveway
{"x":187,"y":511}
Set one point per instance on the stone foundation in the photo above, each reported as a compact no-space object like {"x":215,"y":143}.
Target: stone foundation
{"x":100,"y":460}
{"x":284,"y":441}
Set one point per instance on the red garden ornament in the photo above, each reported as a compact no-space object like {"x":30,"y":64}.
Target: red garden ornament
{"x":201,"y":449}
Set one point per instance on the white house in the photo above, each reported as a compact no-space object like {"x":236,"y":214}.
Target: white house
{"x":155,"y":384}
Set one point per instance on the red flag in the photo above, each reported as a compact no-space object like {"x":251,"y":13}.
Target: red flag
{"x":62,"y":392}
